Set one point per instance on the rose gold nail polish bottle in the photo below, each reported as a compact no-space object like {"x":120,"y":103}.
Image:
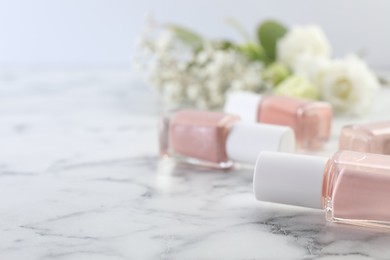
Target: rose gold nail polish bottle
{"x":310,"y":120}
{"x":369,"y":138}
{"x":217,"y":139}
{"x":352,"y":187}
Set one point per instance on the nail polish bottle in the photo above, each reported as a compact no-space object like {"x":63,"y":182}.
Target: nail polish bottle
{"x":369,"y":138}
{"x":310,"y":120}
{"x":217,"y":139}
{"x":352,"y":187}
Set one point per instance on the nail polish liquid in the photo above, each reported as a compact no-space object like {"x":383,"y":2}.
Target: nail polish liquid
{"x":369,"y":138}
{"x":352,"y":187}
{"x":217,"y":139}
{"x":310,"y":120}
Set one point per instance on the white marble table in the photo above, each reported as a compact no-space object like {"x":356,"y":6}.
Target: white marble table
{"x":80,"y":179}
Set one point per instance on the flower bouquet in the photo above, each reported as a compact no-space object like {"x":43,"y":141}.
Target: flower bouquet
{"x":190,"y":70}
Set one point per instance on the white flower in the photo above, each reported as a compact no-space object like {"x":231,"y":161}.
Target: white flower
{"x":252,"y":77}
{"x":165,"y":42}
{"x":173,"y":91}
{"x":348,"y":85}
{"x":309,"y":67}
{"x":302,"y":40}
{"x":202,"y":57}
{"x":202,"y":78}
{"x":193,"y":92}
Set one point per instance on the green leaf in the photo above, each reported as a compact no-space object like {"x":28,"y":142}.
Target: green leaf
{"x":276,"y":73}
{"x":223,"y":44}
{"x":254,"y":51}
{"x":269,"y":32}
{"x":187,"y":36}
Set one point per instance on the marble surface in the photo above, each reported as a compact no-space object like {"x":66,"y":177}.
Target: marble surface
{"x":80,"y":179}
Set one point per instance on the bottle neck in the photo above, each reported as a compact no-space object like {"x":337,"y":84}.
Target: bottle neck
{"x":259,"y":108}
{"x":328,"y":183}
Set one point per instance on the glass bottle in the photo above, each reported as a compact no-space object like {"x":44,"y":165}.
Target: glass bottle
{"x":310,"y":120}
{"x":217,"y":139}
{"x":352,"y":187}
{"x":369,"y":138}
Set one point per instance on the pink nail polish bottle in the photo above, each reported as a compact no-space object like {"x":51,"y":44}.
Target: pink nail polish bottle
{"x":310,"y":120}
{"x":217,"y":139}
{"x":369,"y":138}
{"x":352,"y":187}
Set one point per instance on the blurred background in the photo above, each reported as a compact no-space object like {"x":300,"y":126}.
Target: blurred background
{"x":102,"y":32}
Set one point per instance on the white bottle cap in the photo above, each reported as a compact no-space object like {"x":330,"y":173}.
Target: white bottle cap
{"x":246,"y":140}
{"x":289,"y":179}
{"x":244,"y":104}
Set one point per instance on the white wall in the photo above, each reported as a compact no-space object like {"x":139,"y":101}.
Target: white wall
{"x":102,"y":31}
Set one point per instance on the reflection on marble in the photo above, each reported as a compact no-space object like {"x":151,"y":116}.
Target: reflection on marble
{"x":80,"y":179}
